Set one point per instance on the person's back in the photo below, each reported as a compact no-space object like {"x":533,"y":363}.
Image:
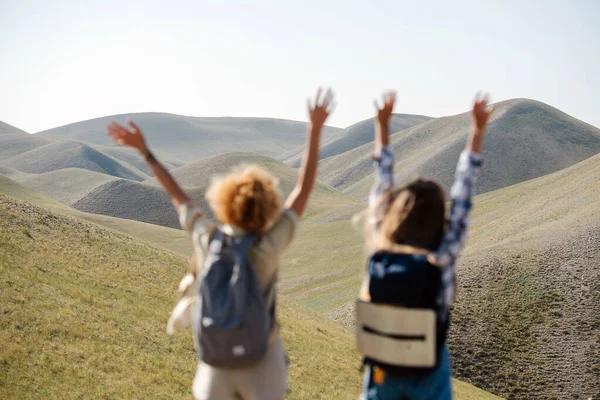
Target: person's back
{"x":245,"y":202}
{"x":412,"y":270}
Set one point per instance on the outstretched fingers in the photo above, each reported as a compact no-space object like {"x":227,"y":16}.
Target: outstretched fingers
{"x":321,"y":101}
{"x":322,"y":106}
{"x":391,"y":98}
{"x":133,"y":125}
{"x":482,"y":105}
{"x":328,"y":97}
{"x":318,"y":97}
{"x":116,"y":130}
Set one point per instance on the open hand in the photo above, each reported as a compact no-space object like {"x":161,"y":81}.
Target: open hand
{"x":323,"y":106}
{"x":128,"y":137}
{"x":481,"y":112}
{"x":479,"y":116}
{"x":384,"y":113}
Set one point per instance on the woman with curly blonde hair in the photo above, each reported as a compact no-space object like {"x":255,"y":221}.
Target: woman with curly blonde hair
{"x":246,"y":201}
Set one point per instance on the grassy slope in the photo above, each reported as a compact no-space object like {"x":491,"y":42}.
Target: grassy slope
{"x":65,"y":185}
{"x":84,"y":311}
{"x":173,"y":239}
{"x":526,"y":139}
{"x":527,"y":303}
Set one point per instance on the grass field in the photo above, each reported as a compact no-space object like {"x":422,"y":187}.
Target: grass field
{"x":520,"y":281}
{"x":84,"y":311}
{"x":172,"y":239}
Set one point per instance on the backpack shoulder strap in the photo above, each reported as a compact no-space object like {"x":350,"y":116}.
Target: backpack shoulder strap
{"x":270,"y":293}
{"x":242,"y":245}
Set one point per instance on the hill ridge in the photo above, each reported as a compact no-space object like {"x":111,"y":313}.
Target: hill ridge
{"x":71,"y":154}
{"x":358,"y":134}
{"x":192,"y":138}
{"x":8,"y":129}
{"x":525,"y":139}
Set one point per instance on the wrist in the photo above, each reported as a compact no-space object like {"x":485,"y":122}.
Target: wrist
{"x":315,"y":129}
{"x":147,"y":154}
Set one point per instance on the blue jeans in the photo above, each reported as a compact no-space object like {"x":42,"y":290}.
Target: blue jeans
{"x":433,"y":386}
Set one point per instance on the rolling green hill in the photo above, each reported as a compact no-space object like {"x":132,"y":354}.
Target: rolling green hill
{"x":192,"y":138}
{"x":84,"y":311}
{"x":525,"y":139}
{"x":172,"y":239}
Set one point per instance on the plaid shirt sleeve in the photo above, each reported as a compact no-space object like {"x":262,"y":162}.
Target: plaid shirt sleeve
{"x":384,"y":182}
{"x":460,"y":212}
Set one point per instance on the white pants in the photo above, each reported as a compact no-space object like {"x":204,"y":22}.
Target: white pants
{"x":267,"y":380}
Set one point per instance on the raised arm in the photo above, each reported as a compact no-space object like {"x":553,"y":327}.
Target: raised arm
{"x":463,"y":188}
{"x":323,"y":106}
{"x":133,"y":137}
{"x":383,"y":157}
{"x":382,"y":124}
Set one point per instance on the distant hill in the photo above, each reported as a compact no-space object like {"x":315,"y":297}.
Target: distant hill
{"x":148,"y":202}
{"x":66,"y":185}
{"x":11,"y":172}
{"x":13,"y":144}
{"x":132,"y":157}
{"x":69,"y":154}
{"x":8,"y":129}
{"x":131,"y":200}
{"x":192,"y":138}
{"x":525,"y":139}
{"x":357,"y":135}
{"x":199,"y":174}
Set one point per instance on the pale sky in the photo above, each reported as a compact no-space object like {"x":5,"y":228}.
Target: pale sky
{"x":71,"y":60}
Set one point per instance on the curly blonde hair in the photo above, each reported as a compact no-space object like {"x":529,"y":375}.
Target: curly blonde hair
{"x":248,"y":198}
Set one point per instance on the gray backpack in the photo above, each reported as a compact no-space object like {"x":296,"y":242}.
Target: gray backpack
{"x":234,"y":319}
